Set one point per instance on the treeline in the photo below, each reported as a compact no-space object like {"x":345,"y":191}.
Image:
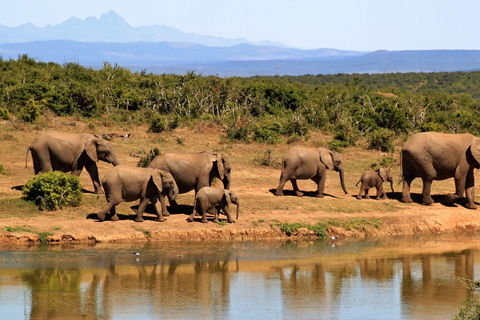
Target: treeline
{"x":379,"y":107}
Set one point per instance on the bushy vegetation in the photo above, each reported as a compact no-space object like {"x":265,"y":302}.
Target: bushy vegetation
{"x":378,"y":107}
{"x":53,"y":190}
{"x":321,"y":228}
{"x":145,"y":160}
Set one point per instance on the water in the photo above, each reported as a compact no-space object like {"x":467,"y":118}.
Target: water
{"x":395,"y":278}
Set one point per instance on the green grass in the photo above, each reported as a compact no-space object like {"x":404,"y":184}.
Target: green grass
{"x":42,"y":235}
{"x":321,"y":228}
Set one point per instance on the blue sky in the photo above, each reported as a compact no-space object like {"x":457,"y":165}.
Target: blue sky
{"x":363,"y":25}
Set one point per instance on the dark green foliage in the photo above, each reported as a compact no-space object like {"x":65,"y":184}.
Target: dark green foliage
{"x":268,"y":131}
{"x":4,"y":114}
{"x":381,"y":139}
{"x":145,"y":161}
{"x":469,"y":310}
{"x":337,"y":145}
{"x":349,"y":106}
{"x":53,"y":190}
{"x":2,"y":170}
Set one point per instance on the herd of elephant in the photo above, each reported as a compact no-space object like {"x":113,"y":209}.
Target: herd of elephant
{"x":427,"y":155}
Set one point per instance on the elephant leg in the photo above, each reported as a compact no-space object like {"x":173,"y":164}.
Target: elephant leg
{"x":297,"y":191}
{"x":383,"y":193}
{"x":113,"y":214}
{"x":367,"y":196}
{"x":158,"y":205}
{"x":426,"y":192}
{"x":362,"y":190}
{"x":93,"y":172}
{"x":406,"y":191}
{"x":320,"y":185}
{"x":41,"y":162}
{"x":141,"y":209}
{"x":226,"y":210}
{"x":470,"y":190}
{"x":204,"y":216}
{"x":216,"y":214}
{"x":190,"y":217}
{"x":163,"y":203}
{"x":102,"y":213}
{"x":281,"y":184}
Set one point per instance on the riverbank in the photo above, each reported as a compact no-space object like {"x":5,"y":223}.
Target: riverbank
{"x":435,"y":219}
{"x":262,"y":214}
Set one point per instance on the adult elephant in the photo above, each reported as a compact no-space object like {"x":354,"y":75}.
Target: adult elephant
{"x":309,"y":163}
{"x":194,"y":171}
{"x":439,"y":156}
{"x":125,"y":183}
{"x":70,"y":152}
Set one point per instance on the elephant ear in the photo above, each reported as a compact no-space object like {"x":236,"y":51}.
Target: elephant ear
{"x":382,"y":173}
{"x":157,"y":179}
{"x":227,"y":195}
{"x":475,"y":149}
{"x":221,"y":169}
{"x":326,"y":158}
{"x":91,"y":148}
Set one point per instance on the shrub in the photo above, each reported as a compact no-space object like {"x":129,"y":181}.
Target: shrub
{"x":157,"y":124}
{"x":2,"y":170}
{"x":30,"y":112}
{"x":267,"y":132}
{"x":145,"y":161}
{"x":4,"y":114}
{"x":237,"y":133}
{"x":337,"y":145}
{"x":381,"y":139}
{"x":53,"y":190}
{"x":469,"y":310}
{"x":267,"y":160}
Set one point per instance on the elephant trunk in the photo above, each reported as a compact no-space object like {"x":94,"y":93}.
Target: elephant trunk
{"x":342,"y":179}
{"x":238,"y":209}
{"x":173,"y":193}
{"x":391,"y":186}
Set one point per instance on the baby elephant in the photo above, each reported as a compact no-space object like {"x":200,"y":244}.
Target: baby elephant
{"x":212,"y":200}
{"x":124,"y":183}
{"x":370,"y":179}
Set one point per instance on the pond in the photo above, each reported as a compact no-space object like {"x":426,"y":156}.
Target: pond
{"x":394,"y":278}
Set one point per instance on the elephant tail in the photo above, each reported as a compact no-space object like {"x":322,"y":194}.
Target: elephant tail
{"x":358,"y":183}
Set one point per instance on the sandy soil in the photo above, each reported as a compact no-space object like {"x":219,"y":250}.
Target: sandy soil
{"x":260,"y":209}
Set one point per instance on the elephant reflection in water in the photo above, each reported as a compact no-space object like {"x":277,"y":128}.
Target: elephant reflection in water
{"x":168,"y":285}
{"x":418,"y":292}
{"x":56,"y":294}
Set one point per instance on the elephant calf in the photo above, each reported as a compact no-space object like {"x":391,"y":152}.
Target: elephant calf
{"x":370,"y":179}
{"x":212,"y":200}
{"x":125,"y":183}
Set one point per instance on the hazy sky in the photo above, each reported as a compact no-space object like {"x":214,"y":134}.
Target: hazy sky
{"x":363,"y":25}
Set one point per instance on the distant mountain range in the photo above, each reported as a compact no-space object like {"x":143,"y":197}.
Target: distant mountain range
{"x":162,"y":49}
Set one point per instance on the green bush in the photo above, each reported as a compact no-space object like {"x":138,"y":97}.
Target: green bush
{"x":53,"y":190}
{"x":381,"y":139}
{"x":337,"y":145}
{"x":267,"y":132}
{"x":145,"y":161}
{"x":4,"y":114}
{"x":2,"y":170}
{"x":469,"y":310}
